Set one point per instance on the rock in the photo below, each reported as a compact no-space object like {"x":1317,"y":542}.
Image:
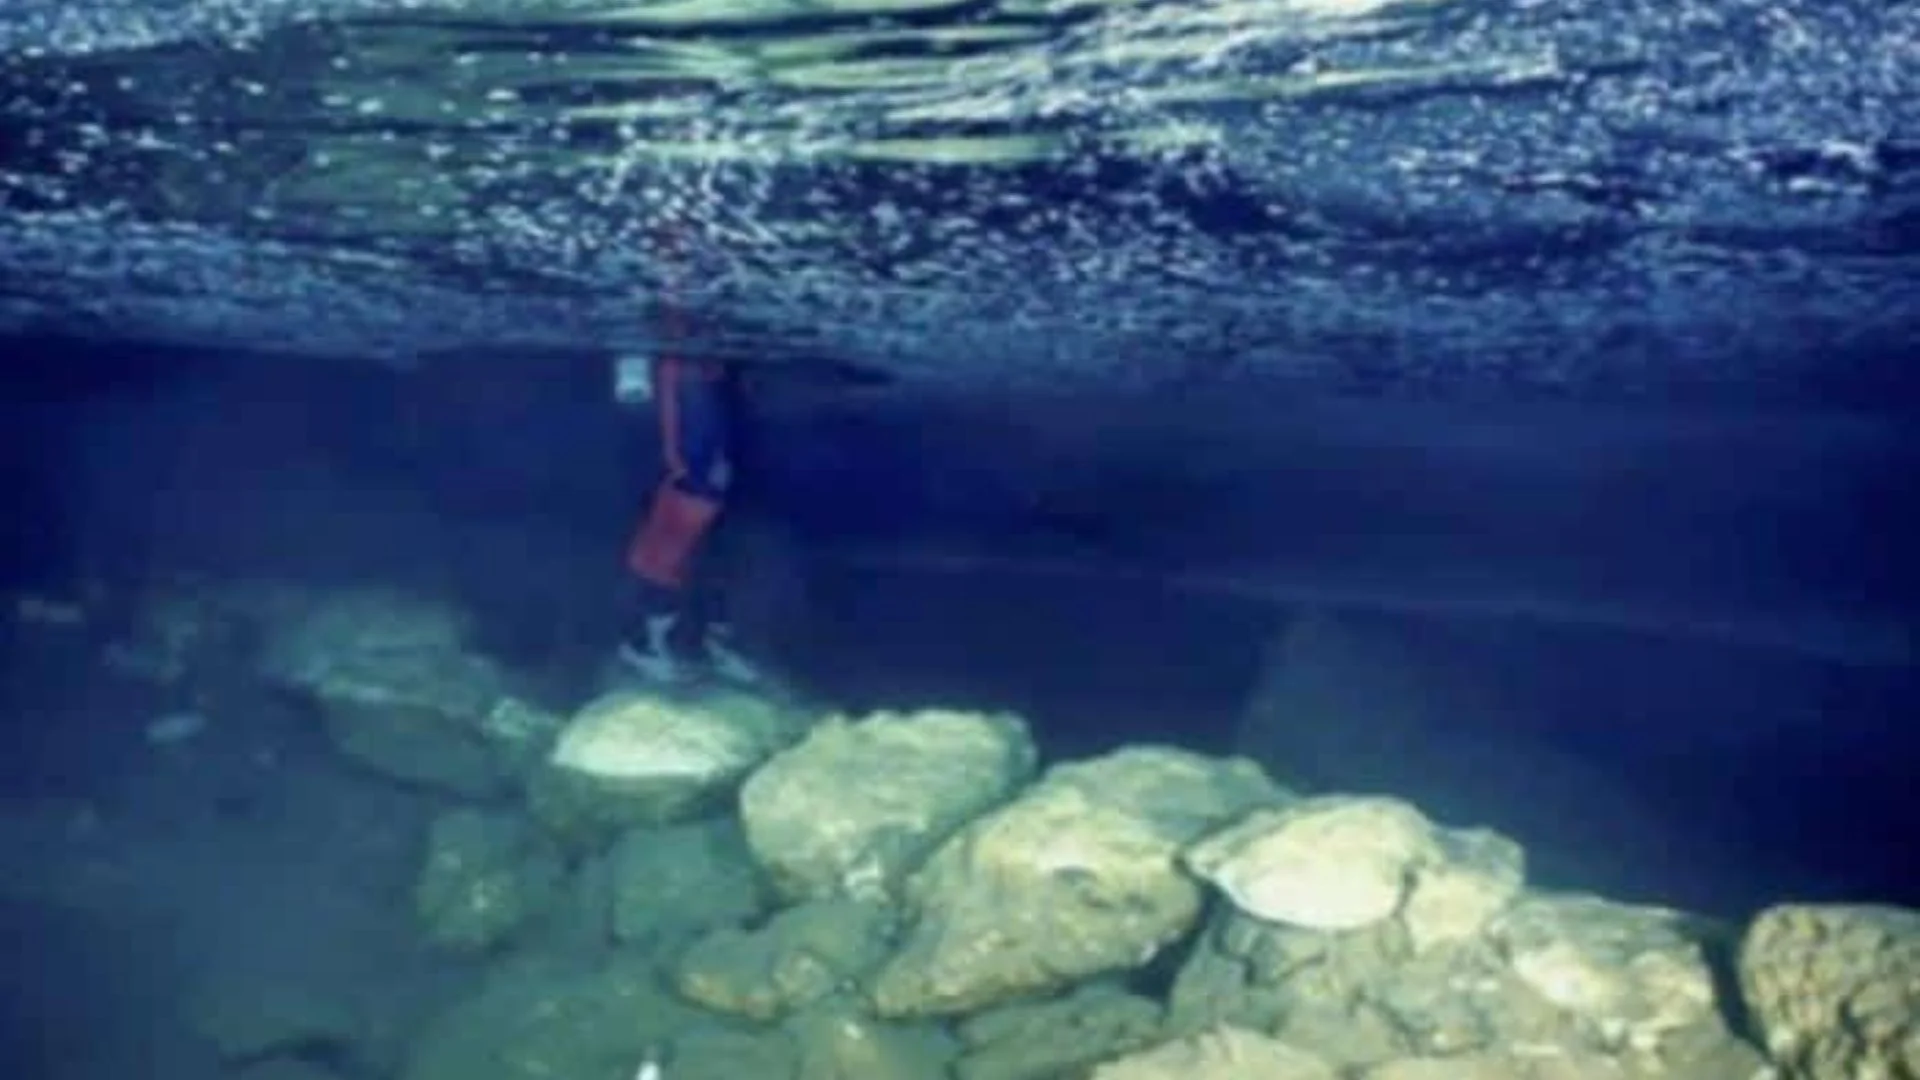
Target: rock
{"x":1224,"y":1053}
{"x":580,"y":922}
{"x":802,"y":956}
{"x":631,"y":758}
{"x":486,"y":876}
{"x":1706,"y":1051}
{"x":1354,"y":998}
{"x":1235,"y":974}
{"x":1540,"y":1063}
{"x":1631,"y":976}
{"x":1564,"y":977}
{"x":318,"y":635}
{"x":1479,"y":873}
{"x":681,"y":881}
{"x":856,"y":806}
{"x":1075,"y":878}
{"x":400,"y":693}
{"x":518,"y":731}
{"x":1340,"y":863}
{"x":1061,"y":1036}
{"x":541,"y":1021}
{"x":710,"y":1054}
{"x":841,"y":1044}
{"x":1517,"y":1067}
{"x":1835,"y":989}
{"x":419,"y":745}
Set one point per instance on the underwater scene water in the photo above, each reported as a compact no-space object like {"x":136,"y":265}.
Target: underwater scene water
{"x":982,"y":540}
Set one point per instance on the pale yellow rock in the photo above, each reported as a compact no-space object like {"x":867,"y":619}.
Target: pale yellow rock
{"x":857,"y":805}
{"x":1076,"y":877}
{"x":1329,"y":863}
{"x":1835,"y":989}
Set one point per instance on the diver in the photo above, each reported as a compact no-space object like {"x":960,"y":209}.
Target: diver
{"x":677,"y":631}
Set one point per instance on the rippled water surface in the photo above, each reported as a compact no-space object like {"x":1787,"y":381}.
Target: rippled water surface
{"x":1616,"y":197}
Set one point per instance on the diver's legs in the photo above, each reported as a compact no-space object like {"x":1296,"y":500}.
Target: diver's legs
{"x":678,"y":587}
{"x":661,"y":558}
{"x":665,"y":551}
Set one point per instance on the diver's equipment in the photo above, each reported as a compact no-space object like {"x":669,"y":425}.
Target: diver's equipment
{"x":662,"y":551}
{"x":632,"y":379}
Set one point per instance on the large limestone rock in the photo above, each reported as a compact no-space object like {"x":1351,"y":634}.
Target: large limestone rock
{"x":1631,"y":978}
{"x":1075,"y":878}
{"x":1225,"y":1053}
{"x":1341,"y":863}
{"x":1835,"y":990}
{"x":486,"y":876}
{"x":1567,"y":978}
{"x":856,"y":806}
{"x":400,"y":692}
{"x":633,"y":758}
